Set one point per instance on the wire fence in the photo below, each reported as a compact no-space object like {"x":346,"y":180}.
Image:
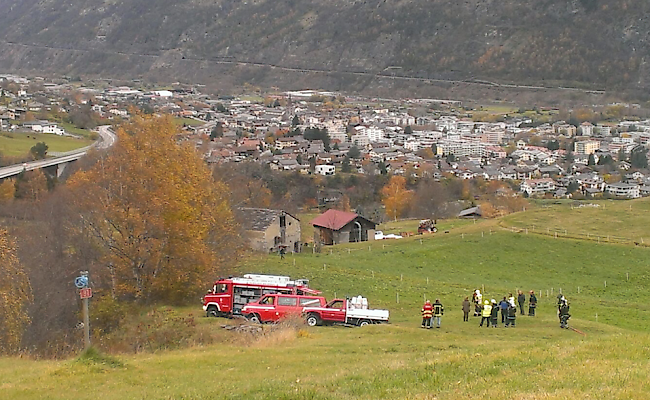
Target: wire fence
{"x":562,"y":233}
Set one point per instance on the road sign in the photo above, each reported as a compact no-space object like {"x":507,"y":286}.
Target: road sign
{"x":86,"y":293}
{"x":81,"y":281}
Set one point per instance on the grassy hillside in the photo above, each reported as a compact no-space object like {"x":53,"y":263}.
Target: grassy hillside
{"x":605,"y":220}
{"x":178,"y":121}
{"x":18,"y":144}
{"x":384,"y":362}
{"x":535,"y":360}
{"x":481,"y":256}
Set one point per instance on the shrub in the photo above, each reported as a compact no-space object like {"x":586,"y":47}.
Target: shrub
{"x":107,"y":315}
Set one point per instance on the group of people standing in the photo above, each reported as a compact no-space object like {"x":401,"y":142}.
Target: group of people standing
{"x":432,"y":312}
{"x":488,"y":310}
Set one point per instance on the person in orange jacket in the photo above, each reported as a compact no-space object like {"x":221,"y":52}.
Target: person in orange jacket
{"x":427,"y":313}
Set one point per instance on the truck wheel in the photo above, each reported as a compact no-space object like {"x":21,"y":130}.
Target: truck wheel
{"x":364,"y":322}
{"x":212,"y":312}
{"x":313,"y":320}
{"x":255,"y":318}
{"x":434,"y":230}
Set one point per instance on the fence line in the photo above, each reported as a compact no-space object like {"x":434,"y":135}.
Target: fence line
{"x":563,"y":233}
{"x":554,"y":232}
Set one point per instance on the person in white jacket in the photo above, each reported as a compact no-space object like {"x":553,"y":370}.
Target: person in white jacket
{"x":477,"y":298}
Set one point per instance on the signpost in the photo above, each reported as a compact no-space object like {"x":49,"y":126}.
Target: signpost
{"x":81,"y":282}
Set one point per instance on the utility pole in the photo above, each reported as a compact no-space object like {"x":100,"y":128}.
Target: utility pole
{"x":86,"y":325}
{"x":85,"y":293}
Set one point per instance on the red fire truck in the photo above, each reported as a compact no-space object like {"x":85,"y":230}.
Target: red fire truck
{"x":229,"y":295}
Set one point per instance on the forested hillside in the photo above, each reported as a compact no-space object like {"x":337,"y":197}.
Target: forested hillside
{"x":588,"y":43}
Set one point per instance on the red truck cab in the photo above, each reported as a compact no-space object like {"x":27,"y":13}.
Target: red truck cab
{"x":273,"y":307}
{"x":348,"y":312}
{"x":333,"y":312}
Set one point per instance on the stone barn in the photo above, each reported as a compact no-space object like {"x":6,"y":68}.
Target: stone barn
{"x":334,"y":227}
{"x":268,"y":230}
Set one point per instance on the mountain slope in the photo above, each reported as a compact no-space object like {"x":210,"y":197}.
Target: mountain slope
{"x":593,"y":43}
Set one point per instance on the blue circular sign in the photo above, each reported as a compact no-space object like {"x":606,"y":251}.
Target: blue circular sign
{"x":81,"y":281}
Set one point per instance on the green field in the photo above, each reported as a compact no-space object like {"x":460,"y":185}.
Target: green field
{"x":605,"y":220}
{"x":84,"y":133}
{"x":18,"y":143}
{"x":606,"y":284}
{"x":411,"y":225}
{"x":178,"y":121}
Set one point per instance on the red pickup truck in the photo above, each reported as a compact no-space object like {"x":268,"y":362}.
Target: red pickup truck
{"x":273,"y":307}
{"x":345,"y":311}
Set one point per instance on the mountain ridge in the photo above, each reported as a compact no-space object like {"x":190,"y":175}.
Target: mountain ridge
{"x":587,"y":43}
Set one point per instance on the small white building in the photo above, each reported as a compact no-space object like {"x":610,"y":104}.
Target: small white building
{"x":163,"y":93}
{"x":587,"y":128}
{"x":341,"y":137}
{"x":360,"y":140}
{"x":44,"y":127}
{"x":121,"y":113}
{"x":325,"y":169}
{"x":603,"y":130}
{"x":537,"y":186}
{"x":629,"y":190}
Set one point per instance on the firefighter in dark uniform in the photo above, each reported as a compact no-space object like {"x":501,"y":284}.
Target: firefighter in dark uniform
{"x":511,"y":315}
{"x":532,"y":304}
{"x":438,"y":311}
{"x":563,"y":313}
{"x":494,"y":314}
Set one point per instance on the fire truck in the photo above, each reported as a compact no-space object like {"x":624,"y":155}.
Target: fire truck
{"x":229,"y":295}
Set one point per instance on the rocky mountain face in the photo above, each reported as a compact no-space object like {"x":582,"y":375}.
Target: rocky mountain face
{"x":584,"y":43}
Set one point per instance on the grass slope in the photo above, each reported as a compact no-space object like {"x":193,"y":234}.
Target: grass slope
{"x":604,"y":220}
{"x":178,"y":121}
{"x":481,"y":256}
{"x":384,"y":362}
{"x":19,"y":144}
{"x":535,"y":360}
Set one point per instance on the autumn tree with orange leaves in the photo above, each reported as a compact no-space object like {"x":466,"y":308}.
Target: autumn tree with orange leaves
{"x":15,"y":294}
{"x":395,"y":197}
{"x":165,"y":225}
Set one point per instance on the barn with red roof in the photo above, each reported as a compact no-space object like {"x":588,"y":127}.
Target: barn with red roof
{"x":334,"y":227}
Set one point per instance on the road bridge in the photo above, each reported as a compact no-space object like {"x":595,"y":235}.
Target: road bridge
{"x":56,"y":165}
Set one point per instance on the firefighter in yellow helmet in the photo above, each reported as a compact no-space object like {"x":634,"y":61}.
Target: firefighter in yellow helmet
{"x":486,"y":313}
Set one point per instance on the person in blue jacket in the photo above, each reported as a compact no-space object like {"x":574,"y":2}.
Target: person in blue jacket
{"x":503,"y":305}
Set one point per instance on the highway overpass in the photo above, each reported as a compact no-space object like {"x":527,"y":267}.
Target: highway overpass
{"x":61,"y":159}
